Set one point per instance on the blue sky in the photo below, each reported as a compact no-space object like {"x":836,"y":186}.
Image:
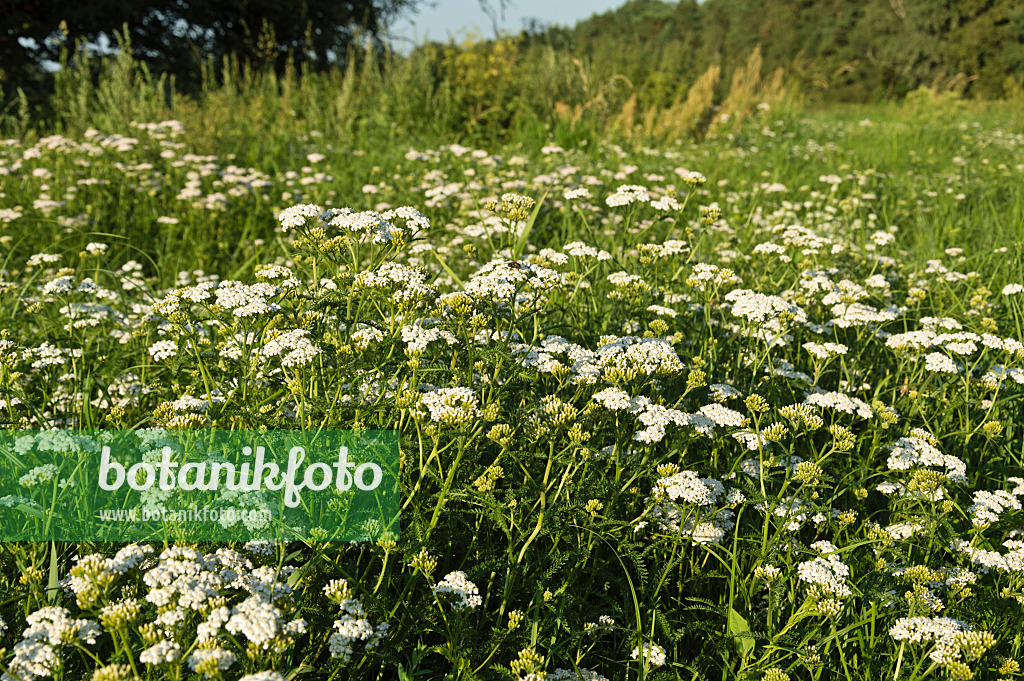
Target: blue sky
{"x":456,"y":17}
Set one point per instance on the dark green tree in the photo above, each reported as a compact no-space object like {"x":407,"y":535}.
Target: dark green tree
{"x":176,"y":36}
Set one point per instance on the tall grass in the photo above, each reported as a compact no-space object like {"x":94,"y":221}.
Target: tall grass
{"x":491,"y":91}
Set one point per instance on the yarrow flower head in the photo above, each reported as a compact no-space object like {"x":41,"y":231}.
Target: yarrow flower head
{"x":1013,"y":289}
{"x":515,"y":207}
{"x":627,"y":194}
{"x":651,"y":653}
{"x":450,"y":406}
{"x":297,"y":215}
{"x":464,"y":593}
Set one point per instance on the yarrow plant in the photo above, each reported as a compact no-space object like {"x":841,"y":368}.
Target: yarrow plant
{"x":760,"y":422}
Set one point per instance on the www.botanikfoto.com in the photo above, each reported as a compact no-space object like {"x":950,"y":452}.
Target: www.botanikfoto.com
{"x":191,"y":515}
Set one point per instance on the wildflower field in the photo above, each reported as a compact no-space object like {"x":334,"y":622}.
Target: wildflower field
{"x":749,"y":408}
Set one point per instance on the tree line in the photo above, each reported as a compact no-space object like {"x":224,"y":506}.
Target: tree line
{"x":845,"y":50}
{"x":179,"y":37}
{"x":837,"y":50}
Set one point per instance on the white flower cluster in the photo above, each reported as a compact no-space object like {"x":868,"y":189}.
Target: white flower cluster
{"x":66,"y":284}
{"x":919,"y":449}
{"x":604,"y":622}
{"x":615,"y":399}
{"x":882,"y":238}
{"x":1011,"y":561}
{"x":569,"y":675}
{"x":544,"y":358}
{"x":901,"y":489}
{"x":914,"y":341}
{"x":1012,"y":289}
{"x":690,"y":488}
{"x":49,"y":355}
{"x":953,"y":639}
{"x":60,"y":441}
{"x":625,"y":281}
{"x":181,"y":584}
{"x":705,"y":275}
{"x":195,"y":405}
{"x":211,"y":661}
{"x":685,"y":504}
{"x":827,"y":573}
{"x":39,"y":475}
{"x":450,"y":406}
{"x":260,"y":621}
{"x":993,"y":379}
{"x":770,"y":248}
{"x":722,"y":392}
{"x":247,"y":300}
{"x":38,"y":259}
{"x":965,"y":344}
{"x":502,"y":279}
{"x":296,"y":216}
{"x":722,"y":415}
{"x":464,"y":592}
{"x":279,"y":273}
{"x":666,"y":249}
{"x":825,"y":350}
{"x":651,"y":652}
{"x":579,"y":249}
{"x":847,"y":315}
{"x":764,"y":310}
{"x":366,"y":336}
{"x":845,"y":291}
{"x":752,"y":440}
{"x":901,"y":531}
{"x":353,"y":625}
{"x":630,"y":357}
{"x":791,"y":509}
{"x":417,"y":338}
{"x":161,"y":652}
{"x":767,"y":572}
{"x":805,"y":239}
{"x":162,"y":350}
{"x":653,"y":417}
{"x":666,"y":204}
{"x":627,"y":194}
{"x":961,"y":343}
{"x":268,"y":675}
{"x":293,"y":348}
{"x":49,"y":628}
{"x":93,"y":571}
{"x":174,"y":300}
{"x":408,"y":284}
{"x":262,"y":547}
{"x":840,"y":402}
{"x":582,"y":363}
{"x":415,"y":221}
{"x":939,"y":363}
{"x":662,"y":311}
{"x":988,"y":506}
{"x":922,"y":629}
{"x":656,"y":417}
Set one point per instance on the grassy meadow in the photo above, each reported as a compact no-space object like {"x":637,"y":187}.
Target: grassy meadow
{"x":736,"y":400}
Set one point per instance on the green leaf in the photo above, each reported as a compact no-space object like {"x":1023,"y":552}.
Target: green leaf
{"x":525,"y":236}
{"x":740,"y":631}
{"x":30,"y":510}
{"x":294,"y":577}
{"x":53,"y":587}
{"x":448,"y":269}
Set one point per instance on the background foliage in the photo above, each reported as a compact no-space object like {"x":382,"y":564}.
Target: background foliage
{"x":625,"y":67}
